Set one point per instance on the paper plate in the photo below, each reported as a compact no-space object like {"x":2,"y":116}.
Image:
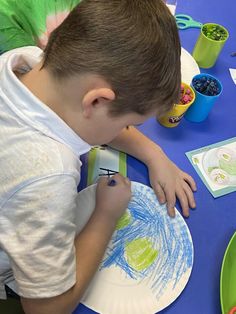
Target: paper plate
{"x":189,"y":67}
{"x":219,"y":165}
{"x":148,"y":261}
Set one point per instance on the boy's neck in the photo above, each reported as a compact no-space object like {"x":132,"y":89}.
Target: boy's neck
{"x":40,"y":83}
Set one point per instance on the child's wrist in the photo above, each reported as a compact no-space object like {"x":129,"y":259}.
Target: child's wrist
{"x":106,"y":216}
{"x":153,"y":155}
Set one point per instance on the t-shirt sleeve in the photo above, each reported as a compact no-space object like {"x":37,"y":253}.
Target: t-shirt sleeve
{"x":38,"y":232}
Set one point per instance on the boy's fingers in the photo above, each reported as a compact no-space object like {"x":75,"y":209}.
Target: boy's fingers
{"x":190,"y":196}
{"x":120,"y":178}
{"x":116,"y":179}
{"x":160,"y":194}
{"x":171,"y":200}
{"x":102,"y":181}
{"x":184,"y":204}
{"x":190,"y":182}
{"x":127,"y":181}
{"x":171,"y":210}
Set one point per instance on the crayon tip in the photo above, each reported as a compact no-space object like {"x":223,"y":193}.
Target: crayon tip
{"x":112,"y":182}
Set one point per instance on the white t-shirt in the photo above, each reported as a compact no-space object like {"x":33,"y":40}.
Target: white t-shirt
{"x":39,"y":174}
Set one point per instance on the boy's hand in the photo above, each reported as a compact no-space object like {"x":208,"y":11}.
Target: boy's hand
{"x":169,"y":182}
{"x":113,"y":200}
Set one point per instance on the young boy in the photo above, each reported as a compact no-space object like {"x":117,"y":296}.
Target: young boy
{"x":109,"y":65}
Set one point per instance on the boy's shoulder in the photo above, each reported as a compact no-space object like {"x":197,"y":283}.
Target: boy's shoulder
{"x":30,"y":159}
{"x":34,"y":155}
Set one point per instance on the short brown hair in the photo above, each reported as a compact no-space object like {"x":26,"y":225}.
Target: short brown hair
{"x":133,"y":44}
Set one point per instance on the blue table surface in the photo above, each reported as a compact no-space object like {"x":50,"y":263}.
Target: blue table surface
{"x":214,"y":221}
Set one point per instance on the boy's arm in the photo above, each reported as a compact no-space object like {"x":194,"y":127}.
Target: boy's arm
{"x":166,"y":178}
{"x":90,"y":245}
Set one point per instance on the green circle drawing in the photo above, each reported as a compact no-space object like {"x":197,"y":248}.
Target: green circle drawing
{"x":228,"y":166}
{"x":140,"y":253}
{"x":123,"y":221}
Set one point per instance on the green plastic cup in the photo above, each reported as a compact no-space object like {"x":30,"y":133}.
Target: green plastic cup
{"x":207,"y":50}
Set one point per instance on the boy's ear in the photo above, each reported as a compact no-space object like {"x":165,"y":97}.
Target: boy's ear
{"x":96,"y":98}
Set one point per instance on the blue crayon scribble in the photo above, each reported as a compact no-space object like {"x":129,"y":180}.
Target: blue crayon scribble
{"x":168,"y":236}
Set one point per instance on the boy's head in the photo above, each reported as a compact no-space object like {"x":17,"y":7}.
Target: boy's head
{"x":133,"y":45}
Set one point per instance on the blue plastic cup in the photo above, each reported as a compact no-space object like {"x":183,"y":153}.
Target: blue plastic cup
{"x":203,"y":104}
